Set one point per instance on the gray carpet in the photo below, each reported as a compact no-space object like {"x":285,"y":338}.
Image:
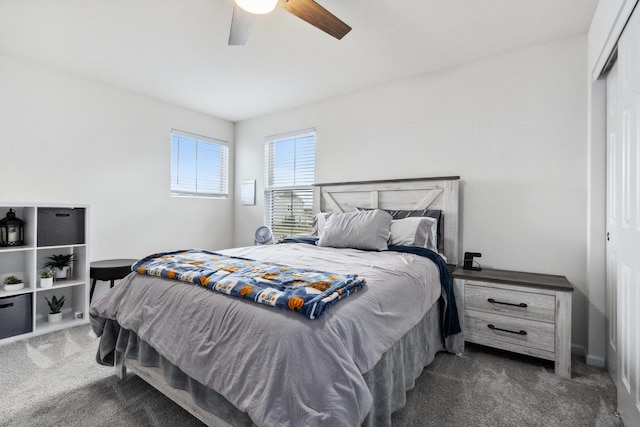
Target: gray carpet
{"x":54,"y":380}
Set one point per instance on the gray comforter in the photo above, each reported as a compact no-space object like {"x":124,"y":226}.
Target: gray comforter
{"x":280,"y":368}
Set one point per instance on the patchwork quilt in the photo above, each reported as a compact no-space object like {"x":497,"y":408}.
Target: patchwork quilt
{"x":305,"y":291}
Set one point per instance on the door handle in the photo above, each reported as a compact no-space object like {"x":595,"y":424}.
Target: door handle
{"x":494,"y":328}
{"x":608,"y":236}
{"x":493,"y":301}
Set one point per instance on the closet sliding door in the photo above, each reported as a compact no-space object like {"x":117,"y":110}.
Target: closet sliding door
{"x":623,"y":222}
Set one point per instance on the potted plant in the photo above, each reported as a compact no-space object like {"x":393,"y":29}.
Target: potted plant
{"x":46,"y":278}
{"x":61,"y":264}
{"x":55,"y":305}
{"x":12,"y":283}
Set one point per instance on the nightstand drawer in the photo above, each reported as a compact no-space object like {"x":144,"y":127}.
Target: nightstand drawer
{"x":496,"y":327}
{"x":511,"y":302}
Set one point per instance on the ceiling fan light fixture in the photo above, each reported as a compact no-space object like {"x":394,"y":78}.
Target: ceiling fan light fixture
{"x":259,"y":7}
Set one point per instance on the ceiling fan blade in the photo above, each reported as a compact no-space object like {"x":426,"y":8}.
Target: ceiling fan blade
{"x":316,"y":15}
{"x":241,"y":23}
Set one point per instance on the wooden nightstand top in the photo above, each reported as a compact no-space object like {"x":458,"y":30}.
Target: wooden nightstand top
{"x":547,"y":281}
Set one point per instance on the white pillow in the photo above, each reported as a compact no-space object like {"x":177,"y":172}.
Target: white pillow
{"x":368,"y":230}
{"x":319,"y":221}
{"x":432,"y":241}
{"x":414,"y":231}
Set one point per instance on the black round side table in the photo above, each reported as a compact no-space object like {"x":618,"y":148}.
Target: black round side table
{"x":109,"y":270}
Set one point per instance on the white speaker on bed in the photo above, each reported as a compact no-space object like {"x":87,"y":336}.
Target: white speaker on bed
{"x":263,"y":235}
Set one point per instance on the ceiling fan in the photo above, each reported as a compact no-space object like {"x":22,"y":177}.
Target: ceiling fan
{"x":245,"y":11}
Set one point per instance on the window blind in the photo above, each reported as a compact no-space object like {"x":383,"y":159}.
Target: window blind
{"x":199,"y":166}
{"x":290,"y":174}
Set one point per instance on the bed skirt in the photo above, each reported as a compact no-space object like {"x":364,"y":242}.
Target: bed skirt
{"x":389,"y":380}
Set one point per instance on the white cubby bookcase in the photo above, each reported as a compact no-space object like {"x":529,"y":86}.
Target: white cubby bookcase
{"x":49,"y":229}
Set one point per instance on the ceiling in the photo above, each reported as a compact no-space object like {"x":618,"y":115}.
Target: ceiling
{"x":176,"y":50}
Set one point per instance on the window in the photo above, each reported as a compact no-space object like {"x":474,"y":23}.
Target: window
{"x":290,"y":171}
{"x":199,"y":166}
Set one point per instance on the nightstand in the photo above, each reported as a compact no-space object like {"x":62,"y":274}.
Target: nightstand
{"x":526,"y":313}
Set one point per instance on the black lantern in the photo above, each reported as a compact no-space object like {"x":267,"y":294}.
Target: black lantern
{"x":11,"y":230}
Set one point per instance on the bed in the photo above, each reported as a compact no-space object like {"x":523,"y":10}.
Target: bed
{"x":232,"y":362}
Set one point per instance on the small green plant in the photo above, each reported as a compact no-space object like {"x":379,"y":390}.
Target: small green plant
{"x":47,"y":273}
{"x":59,"y":261}
{"x":11,"y":280}
{"x":55,"y":304}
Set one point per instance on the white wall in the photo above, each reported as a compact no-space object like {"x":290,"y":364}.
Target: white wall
{"x":69,"y":140}
{"x":596,"y":221}
{"x":513,"y":127}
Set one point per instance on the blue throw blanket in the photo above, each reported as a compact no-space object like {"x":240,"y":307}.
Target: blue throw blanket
{"x":450,"y":321}
{"x":305,"y":291}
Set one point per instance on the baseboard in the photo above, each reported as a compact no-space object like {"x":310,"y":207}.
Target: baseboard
{"x":578,"y":350}
{"x":596,"y":361}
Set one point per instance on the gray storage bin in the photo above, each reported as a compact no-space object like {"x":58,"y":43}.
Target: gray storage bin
{"x":60,"y":226}
{"x":15,"y":315}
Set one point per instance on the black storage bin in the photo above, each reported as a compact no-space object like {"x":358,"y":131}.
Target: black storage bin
{"x":60,"y":226}
{"x":15,"y":315}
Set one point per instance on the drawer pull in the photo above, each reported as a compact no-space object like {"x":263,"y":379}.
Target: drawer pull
{"x":492,"y":327}
{"x":6,"y":305}
{"x":491,"y":300}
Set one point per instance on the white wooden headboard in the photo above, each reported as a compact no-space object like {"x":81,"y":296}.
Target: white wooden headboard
{"x":406,"y":194}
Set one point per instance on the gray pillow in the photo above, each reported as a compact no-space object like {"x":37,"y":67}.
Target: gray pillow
{"x":367,"y":230}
